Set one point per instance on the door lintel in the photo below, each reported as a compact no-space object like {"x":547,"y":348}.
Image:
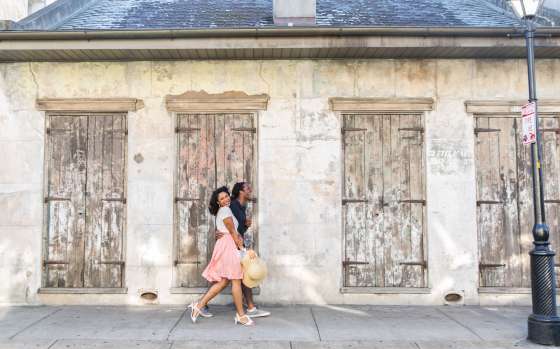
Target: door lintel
{"x":509,"y":108}
{"x":229,"y":102}
{"x":378,"y":105}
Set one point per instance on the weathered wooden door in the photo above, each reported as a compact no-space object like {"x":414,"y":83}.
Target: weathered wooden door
{"x":504,"y":198}
{"x":213,"y":150}
{"x":85,"y":201}
{"x":383,"y":201}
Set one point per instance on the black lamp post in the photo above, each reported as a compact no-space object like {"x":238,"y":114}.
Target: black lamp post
{"x":544,"y":324}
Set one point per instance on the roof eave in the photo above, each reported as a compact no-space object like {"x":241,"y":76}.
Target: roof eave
{"x":271,"y":32}
{"x":275,"y":43}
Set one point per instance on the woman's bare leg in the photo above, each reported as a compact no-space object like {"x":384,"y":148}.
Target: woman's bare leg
{"x":212,"y":292}
{"x":237,"y":296}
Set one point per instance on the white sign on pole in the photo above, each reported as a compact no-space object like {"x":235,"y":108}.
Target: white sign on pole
{"x":529,"y":124}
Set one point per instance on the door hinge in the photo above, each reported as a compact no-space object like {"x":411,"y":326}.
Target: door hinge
{"x":347,"y":262}
{"x":485,"y":130}
{"x":348,"y":201}
{"x":177,"y":262}
{"x":556,"y":130}
{"x":45,"y":263}
{"x":488,"y":202}
{"x":186,"y":129}
{"x":123,"y":200}
{"x":58,"y":130}
{"x":353,"y":129}
{"x":416,"y":129}
{"x":52,"y":198}
{"x":423,"y":264}
{"x":245,"y":129}
{"x":423,"y":202}
{"x":491,"y":265}
{"x":121,"y":263}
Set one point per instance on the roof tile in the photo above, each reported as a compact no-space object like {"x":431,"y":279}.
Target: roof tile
{"x":177,"y":14}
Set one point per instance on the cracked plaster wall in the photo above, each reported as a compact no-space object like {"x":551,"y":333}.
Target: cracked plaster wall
{"x":299,"y":167}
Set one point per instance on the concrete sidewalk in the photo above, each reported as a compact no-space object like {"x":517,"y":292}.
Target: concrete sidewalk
{"x":296,"y":327}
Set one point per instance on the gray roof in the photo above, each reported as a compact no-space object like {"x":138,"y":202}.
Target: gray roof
{"x":180,"y":14}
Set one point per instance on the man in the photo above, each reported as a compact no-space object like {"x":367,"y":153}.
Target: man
{"x":241,"y":195}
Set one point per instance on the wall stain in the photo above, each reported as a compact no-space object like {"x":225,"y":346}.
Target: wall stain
{"x":138,"y":158}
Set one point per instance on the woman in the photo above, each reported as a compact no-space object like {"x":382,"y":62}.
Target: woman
{"x":225,"y":265}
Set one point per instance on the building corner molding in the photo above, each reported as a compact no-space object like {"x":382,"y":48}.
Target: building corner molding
{"x":202,"y":101}
{"x":509,"y":107}
{"x":381,"y":104}
{"x":89,"y":104}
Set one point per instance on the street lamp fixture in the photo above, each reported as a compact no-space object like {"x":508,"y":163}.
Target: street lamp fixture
{"x":526,"y":8}
{"x":543,"y":323}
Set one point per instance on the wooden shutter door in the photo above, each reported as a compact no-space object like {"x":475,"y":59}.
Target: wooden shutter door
{"x":236,"y":156}
{"x":196,"y":179}
{"x":505,"y":198}
{"x":408,"y":183}
{"x":383,"y":201}
{"x":360,"y":236}
{"x":525,"y":207}
{"x":105,"y":201}
{"x":65,"y":201}
{"x":213,"y":150}
{"x":85,"y":201}
{"x":549,"y":127}
{"x":550,"y":131}
{"x":498,"y":227}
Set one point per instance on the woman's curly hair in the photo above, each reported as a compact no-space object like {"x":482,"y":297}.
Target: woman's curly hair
{"x":213,"y":205}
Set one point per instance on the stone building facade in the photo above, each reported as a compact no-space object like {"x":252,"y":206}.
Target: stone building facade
{"x":378,"y":180}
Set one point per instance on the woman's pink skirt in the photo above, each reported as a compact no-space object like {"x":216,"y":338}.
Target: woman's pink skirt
{"x":225,"y":262}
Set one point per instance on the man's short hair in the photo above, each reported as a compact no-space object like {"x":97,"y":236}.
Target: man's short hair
{"x":236,"y":189}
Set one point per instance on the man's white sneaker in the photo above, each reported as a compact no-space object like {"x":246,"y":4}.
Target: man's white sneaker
{"x":256,"y":313}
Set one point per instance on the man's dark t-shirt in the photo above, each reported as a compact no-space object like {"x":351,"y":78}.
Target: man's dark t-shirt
{"x":239,"y":211}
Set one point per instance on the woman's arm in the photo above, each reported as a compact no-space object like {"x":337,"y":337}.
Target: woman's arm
{"x":228,"y":222}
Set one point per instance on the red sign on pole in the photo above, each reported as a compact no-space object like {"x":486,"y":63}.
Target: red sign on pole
{"x":529,"y":123}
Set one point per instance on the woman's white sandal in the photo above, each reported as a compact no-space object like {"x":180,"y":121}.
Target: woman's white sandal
{"x":249,"y":322}
{"x":195,"y":312}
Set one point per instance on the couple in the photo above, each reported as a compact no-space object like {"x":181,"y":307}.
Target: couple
{"x":225,"y":265}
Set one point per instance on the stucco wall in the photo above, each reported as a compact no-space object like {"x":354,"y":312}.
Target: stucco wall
{"x":299,"y":167}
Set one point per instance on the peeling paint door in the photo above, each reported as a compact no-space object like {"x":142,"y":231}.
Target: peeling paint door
{"x":504,"y":198}
{"x":85,"y":201}
{"x":383,"y":201}
{"x":213,"y":150}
